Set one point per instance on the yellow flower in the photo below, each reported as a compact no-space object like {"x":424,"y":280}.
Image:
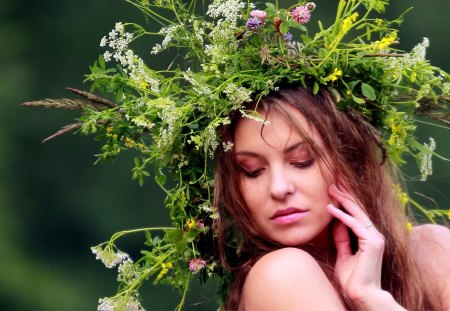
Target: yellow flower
{"x":335,"y":75}
{"x":164,"y":269}
{"x":448,"y":214}
{"x":167,"y":265}
{"x":191,"y":224}
{"x":409,"y":226}
{"x":401,"y":196}
{"x":386,"y":41}
{"x":129,"y":142}
{"x":379,"y":22}
{"x":398,"y":133}
{"x":348,"y":21}
{"x":144,"y":84}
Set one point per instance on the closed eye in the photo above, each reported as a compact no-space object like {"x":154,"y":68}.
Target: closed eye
{"x":304,"y":164}
{"x":252,"y":173}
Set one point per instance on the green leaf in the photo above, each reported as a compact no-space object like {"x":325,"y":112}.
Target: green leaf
{"x":296,"y":25}
{"x":352,"y":84}
{"x":315,"y":88}
{"x":101,"y":62}
{"x":284,"y":27}
{"x":368,"y":91}
{"x":358,"y":100}
{"x":306,"y":39}
{"x":148,"y":238}
{"x":271,"y":10}
{"x":160,"y":178}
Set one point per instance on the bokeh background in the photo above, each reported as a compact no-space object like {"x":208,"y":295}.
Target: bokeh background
{"x":55,"y":204}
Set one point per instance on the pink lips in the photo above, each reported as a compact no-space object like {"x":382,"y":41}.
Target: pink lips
{"x":288,"y":215}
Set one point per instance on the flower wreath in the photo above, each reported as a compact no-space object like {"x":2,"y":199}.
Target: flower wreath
{"x":233,"y":54}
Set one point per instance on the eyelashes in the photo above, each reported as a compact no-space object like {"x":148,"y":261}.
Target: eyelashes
{"x":255,"y":173}
{"x":304,"y":164}
{"x":252,"y":174}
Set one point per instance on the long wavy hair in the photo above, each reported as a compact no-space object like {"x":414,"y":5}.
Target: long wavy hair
{"x":358,"y":158}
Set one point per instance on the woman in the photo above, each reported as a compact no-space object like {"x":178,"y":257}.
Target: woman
{"x":321,"y":227}
{"x":307,"y":200}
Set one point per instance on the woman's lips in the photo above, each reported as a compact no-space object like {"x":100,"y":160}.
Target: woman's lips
{"x":288,"y":215}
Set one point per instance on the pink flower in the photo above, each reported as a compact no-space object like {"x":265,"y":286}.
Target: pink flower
{"x":259,"y":14}
{"x":301,"y":14}
{"x":196,"y":264}
{"x":200,"y":223}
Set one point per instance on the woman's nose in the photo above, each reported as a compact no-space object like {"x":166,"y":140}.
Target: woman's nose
{"x":281,"y":185}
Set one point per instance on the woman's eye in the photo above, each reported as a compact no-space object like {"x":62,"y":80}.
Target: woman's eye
{"x":304,"y":164}
{"x":252,"y":174}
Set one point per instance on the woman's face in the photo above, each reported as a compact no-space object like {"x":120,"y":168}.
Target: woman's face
{"x":282,"y":184}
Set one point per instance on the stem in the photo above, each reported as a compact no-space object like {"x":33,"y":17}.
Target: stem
{"x":117,"y":235}
{"x":183,"y":298}
{"x":422,"y":210}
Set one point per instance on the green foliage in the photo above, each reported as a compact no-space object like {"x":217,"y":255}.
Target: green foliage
{"x":224,"y":59}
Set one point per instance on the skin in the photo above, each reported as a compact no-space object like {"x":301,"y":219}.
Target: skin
{"x":279,"y":173}
{"x":432,"y":246}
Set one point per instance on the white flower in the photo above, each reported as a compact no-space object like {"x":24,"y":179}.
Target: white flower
{"x":230,"y":9}
{"x":103,"y":41}
{"x":446,"y":88}
{"x":253,"y":115}
{"x":132,"y":64}
{"x":426,"y":168}
{"x":108,"y":256}
{"x":237,"y":94}
{"x":199,"y":86}
{"x":395,"y":66}
{"x":227,"y":146}
{"x":169,"y":33}
{"x":105,"y":304}
{"x":107,"y":56}
{"x":118,"y":303}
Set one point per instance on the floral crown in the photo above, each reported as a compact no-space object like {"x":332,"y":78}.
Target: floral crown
{"x":233,"y":54}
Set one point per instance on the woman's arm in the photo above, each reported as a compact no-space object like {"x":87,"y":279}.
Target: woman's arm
{"x":286,"y":280}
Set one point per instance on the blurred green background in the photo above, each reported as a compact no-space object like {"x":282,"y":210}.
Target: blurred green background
{"x":55,"y":204}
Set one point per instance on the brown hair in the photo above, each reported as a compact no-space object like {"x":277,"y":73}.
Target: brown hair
{"x":357,"y":159}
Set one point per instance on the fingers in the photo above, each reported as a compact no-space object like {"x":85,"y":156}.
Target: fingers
{"x":349,"y":203}
{"x":342,"y":240}
{"x":348,"y":220}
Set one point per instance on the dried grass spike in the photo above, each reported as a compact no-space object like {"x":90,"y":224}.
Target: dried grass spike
{"x":92,"y":97}
{"x":64,"y":130}
{"x":61,"y":103}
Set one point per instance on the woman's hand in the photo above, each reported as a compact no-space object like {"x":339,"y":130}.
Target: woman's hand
{"x":359,"y":273}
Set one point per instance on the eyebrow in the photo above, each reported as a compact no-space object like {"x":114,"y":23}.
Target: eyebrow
{"x":288,"y":149}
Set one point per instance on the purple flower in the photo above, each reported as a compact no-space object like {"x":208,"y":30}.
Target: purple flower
{"x":252,"y":23}
{"x":301,"y":14}
{"x":196,"y":264}
{"x":287,"y":36}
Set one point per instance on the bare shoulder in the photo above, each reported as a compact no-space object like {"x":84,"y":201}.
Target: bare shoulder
{"x":431,"y":244}
{"x":431,"y":240}
{"x":288,"y":279}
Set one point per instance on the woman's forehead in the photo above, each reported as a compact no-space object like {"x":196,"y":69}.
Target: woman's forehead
{"x":280,"y":130}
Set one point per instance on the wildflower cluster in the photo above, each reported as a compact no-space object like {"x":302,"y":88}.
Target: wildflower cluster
{"x":234,"y":54}
{"x":426,"y":168}
{"x":108,"y":256}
